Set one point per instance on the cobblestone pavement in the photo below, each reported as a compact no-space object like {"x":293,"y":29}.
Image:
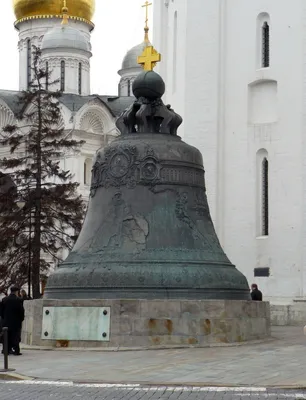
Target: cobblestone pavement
{"x":280,"y":362}
{"x":39,"y":390}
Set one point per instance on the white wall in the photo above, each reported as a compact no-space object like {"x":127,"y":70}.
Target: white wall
{"x":229,"y":117}
{"x":164,"y":43}
{"x":276,"y":128}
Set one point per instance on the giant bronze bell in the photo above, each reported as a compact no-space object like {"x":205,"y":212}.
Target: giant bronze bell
{"x":148,"y":233}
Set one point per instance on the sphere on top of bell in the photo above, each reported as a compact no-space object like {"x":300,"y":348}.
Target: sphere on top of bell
{"x":149,"y":84}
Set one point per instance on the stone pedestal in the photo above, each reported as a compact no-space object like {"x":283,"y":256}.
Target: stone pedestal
{"x":289,"y":314}
{"x":151,"y":323}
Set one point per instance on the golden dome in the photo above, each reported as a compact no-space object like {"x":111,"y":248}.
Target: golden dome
{"x":79,"y":9}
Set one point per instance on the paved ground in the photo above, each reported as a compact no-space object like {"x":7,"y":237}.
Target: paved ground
{"x":69,"y":391}
{"x":280,"y":362}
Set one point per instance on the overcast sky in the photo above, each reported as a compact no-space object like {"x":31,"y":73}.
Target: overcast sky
{"x":119,"y":26}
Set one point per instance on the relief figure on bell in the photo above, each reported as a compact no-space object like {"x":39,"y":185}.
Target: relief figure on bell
{"x":196,"y":216}
{"x":121,"y":229}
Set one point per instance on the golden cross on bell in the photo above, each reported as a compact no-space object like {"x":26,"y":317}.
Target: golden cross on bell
{"x":147,"y":5}
{"x":149,"y":58}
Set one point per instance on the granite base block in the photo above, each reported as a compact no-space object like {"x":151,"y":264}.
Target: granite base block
{"x":289,"y":314}
{"x":160,"y":323}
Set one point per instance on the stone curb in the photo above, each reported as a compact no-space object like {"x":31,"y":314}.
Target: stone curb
{"x":19,"y":377}
{"x":116,"y":349}
{"x":192,"y":384}
{"x":13,"y":376}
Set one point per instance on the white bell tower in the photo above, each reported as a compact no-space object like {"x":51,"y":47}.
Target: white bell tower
{"x":66,"y":52}
{"x":32,"y":30}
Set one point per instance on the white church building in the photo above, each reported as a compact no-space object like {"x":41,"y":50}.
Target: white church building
{"x":66,"y":51}
{"x":236,"y":72}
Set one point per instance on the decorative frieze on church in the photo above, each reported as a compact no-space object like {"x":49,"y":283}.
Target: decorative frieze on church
{"x":94,"y":118}
{"x":23,"y":43}
{"x":92,"y":122}
{"x":94,"y":103}
{"x":6,"y":117}
{"x":55,"y":62}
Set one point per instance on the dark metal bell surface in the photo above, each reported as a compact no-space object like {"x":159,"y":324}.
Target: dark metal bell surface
{"x":148,"y":233}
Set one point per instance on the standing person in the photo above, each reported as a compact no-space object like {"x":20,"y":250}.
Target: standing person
{"x":1,"y":337}
{"x":13,"y":314}
{"x":256,"y":293}
{"x":24,"y":296}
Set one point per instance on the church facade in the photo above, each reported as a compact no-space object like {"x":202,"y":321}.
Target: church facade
{"x":66,"y":51}
{"x":236,"y":72}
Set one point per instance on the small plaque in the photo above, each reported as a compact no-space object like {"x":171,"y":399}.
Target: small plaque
{"x":262,"y":272}
{"x":76,"y":323}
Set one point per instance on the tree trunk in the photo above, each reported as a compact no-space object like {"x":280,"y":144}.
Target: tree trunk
{"x":35,"y":264}
{"x":37,"y":217}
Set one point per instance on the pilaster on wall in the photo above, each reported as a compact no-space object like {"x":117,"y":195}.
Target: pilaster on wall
{"x":221,"y":109}
{"x":204,"y":93}
{"x":161,"y":34}
{"x":303,"y":241}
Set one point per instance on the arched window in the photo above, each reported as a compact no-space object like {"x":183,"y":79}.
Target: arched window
{"x":29,"y":62}
{"x":262,"y":193}
{"x":80,"y":78}
{"x":174,"y":67}
{"x":265,"y":45}
{"x":87,"y":171}
{"x":62,"y":76}
{"x":265,"y":196}
{"x":47,"y":75}
{"x":129,"y":88}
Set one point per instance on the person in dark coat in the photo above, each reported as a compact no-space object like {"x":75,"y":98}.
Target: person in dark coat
{"x":256,"y":293}
{"x":12,"y":314}
{"x":1,"y":322}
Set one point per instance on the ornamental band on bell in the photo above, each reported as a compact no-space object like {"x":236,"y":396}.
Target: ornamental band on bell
{"x":125,"y":166}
